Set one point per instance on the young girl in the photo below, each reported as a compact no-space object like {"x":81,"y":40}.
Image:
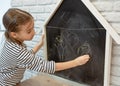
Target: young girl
{"x":15,"y":58}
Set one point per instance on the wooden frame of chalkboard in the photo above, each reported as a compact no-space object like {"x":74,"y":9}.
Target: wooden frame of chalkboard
{"x":110,"y":33}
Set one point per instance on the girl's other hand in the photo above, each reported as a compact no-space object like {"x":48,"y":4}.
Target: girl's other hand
{"x":41,"y":42}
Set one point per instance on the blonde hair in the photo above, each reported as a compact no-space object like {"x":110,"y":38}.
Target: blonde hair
{"x":12,"y":19}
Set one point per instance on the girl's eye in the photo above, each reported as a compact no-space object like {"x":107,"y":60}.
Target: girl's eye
{"x":28,"y":31}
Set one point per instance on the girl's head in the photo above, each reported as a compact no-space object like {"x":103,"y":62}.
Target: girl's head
{"x":19,"y":25}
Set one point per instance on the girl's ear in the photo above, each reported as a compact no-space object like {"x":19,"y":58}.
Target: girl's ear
{"x":13,"y":34}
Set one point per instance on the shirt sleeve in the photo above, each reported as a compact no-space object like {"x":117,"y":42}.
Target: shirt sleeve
{"x":27,"y":59}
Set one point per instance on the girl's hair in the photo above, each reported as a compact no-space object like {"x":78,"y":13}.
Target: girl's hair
{"x":12,"y":19}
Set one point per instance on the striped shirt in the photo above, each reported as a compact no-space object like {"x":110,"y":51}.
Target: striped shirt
{"x":15,"y":59}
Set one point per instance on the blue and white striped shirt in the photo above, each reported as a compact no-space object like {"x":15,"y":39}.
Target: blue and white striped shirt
{"x":15,"y":59}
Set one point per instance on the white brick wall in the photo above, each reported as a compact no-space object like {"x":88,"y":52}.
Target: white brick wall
{"x":104,"y":6}
{"x":111,"y":11}
{"x":40,"y":9}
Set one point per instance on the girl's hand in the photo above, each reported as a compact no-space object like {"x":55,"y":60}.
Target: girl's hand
{"x":73,"y":63}
{"x":41,"y":42}
{"x":39,"y":45}
{"x":81,"y":60}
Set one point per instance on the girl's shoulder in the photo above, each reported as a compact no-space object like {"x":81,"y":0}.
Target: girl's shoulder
{"x":13,"y":45}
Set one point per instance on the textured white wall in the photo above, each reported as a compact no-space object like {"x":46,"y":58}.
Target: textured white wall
{"x":4,"y":6}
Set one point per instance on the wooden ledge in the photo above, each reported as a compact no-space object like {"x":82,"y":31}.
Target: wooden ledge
{"x":48,"y":80}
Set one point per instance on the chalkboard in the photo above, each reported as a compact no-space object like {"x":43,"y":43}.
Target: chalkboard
{"x":73,"y":31}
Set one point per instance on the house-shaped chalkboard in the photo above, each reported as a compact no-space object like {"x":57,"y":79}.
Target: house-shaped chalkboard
{"x":76,"y":28}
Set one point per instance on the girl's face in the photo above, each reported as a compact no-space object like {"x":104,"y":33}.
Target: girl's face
{"x":26,"y":32}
